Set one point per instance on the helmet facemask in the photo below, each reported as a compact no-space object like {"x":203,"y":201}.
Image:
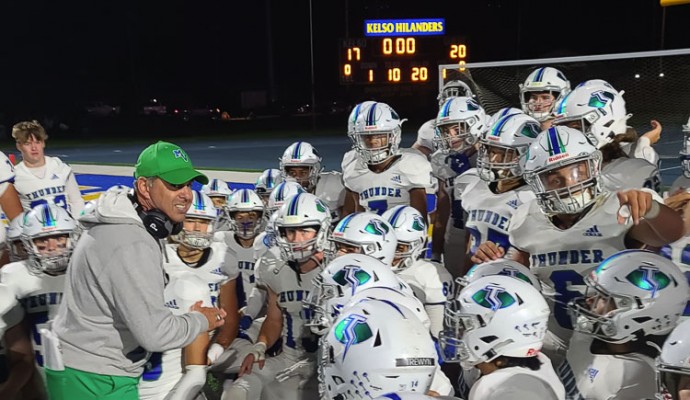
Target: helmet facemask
{"x":406,"y":254}
{"x":554,"y":194}
{"x":322,"y":309}
{"x":303,"y":250}
{"x":540,"y":103}
{"x":455,"y":136}
{"x":247,"y":224}
{"x":498,"y":163}
{"x":197,"y":233}
{"x":49,"y":253}
{"x":373,"y":149}
{"x":451,"y":339}
{"x":296,"y":173}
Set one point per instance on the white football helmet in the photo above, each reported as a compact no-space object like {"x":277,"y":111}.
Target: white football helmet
{"x":460,"y":122}
{"x":543,"y":79}
{"x":685,"y":150}
{"x":342,"y":279}
{"x":303,"y":210}
{"x":396,"y":296}
{"x":43,"y":222}
{"x":217,"y":188}
{"x":376,"y":347}
{"x":246,"y":200}
{"x":501,"y":266}
{"x":201,"y":208}
{"x":411,"y":230}
{"x":455,"y":88}
{"x":674,"y":359}
{"x":503,"y":112}
{"x":354,"y":113}
{"x":377,"y":119}
{"x":502,"y":146}
{"x":491,"y":317}
{"x":367,"y":231}
{"x":284,"y":190}
{"x":302,"y":154}
{"x":562,"y":167}
{"x":14,"y":238}
{"x":632,"y":293}
{"x":266,"y":182}
{"x":595,"y":108}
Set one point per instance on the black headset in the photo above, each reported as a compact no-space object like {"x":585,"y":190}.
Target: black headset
{"x":155,"y":221}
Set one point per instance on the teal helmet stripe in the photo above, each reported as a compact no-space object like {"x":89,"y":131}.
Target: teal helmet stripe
{"x":555,"y":144}
{"x":396,"y":215}
{"x":269,"y":179}
{"x":608,"y":260}
{"x":371,"y":115}
{"x":214,"y":185}
{"x":343,"y":223}
{"x":198,"y":201}
{"x":280,"y":196}
{"x":292,"y":208}
{"x":540,"y":74}
{"x":48,"y":218}
{"x":498,"y":126}
{"x":296,"y":151}
{"x":355,"y":114}
{"x":245,"y":195}
{"x":445,"y":110}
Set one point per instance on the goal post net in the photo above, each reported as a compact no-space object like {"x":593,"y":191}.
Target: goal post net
{"x":656,"y":85}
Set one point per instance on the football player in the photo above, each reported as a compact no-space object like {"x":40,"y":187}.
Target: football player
{"x":40,"y":178}
{"x":574,"y":224}
{"x":219,"y":192}
{"x":497,"y":325}
{"x":491,"y":194}
{"x":16,"y":352}
{"x":302,"y":225}
{"x":49,"y":235}
{"x":266,"y":182}
{"x":302,"y":162}
{"x":363,"y":233}
{"x":376,"y":172}
{"x":460,"y":123}
{"x":633,"y":300}
{"x":672,"y":365}
{"x":540,"y":92}
{"x":376,"y":347}
{"x":430,"y":281}
{"x":598,"y":110}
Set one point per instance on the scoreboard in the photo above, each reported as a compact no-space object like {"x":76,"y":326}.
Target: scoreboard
{"x":399,"y":52}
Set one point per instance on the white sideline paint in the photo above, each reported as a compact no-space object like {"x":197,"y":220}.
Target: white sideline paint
{"x":228,"y":176}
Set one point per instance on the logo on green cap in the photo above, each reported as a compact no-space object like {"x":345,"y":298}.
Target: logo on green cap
{"x":181,"y":154}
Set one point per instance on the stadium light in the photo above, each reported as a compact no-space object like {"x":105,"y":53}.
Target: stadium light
{"x":637,"y":76}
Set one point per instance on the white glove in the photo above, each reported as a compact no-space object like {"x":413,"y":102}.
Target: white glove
{"x":214,"y":352}
{"x":259,"y":351}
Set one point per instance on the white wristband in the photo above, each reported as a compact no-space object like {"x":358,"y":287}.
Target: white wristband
{"x":214,"y":352}
{"x":653,"y":211}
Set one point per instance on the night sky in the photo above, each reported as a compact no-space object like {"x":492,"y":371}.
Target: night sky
{"x":63,"y":54}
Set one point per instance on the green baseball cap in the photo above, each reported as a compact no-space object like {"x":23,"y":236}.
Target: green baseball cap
{"x":169,"y":162}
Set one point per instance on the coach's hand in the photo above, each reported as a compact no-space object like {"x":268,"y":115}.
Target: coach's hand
{"x":214,"y":316}
{"x":636,"y":204}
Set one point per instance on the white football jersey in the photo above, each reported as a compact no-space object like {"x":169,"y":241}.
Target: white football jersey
{"x":291,"y":290}
{"x":213,"y":271}
{"x":39,"y":294}
{"x":11,"y":312}
{"x":630,"y":173}
{"x":447,"y":167}
{"x":238,"y":258}
{"x":164,"y":370}
{"x":519,"y":383}
{"x":605,"y":376}
{"x":7,"y":173}
{"x":432,"y":284}
{"x":426,"y":134}
{"x":34,"y":190}
{"x":561,"y":258}
{"x":331,"y":190}
{"x":381,"y":191}
{"x":488,"y":214}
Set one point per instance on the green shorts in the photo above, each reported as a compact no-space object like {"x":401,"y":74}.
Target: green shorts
{"x":73,"y":384}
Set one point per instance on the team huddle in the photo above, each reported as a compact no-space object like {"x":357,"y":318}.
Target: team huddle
{"x":523,"y":254}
